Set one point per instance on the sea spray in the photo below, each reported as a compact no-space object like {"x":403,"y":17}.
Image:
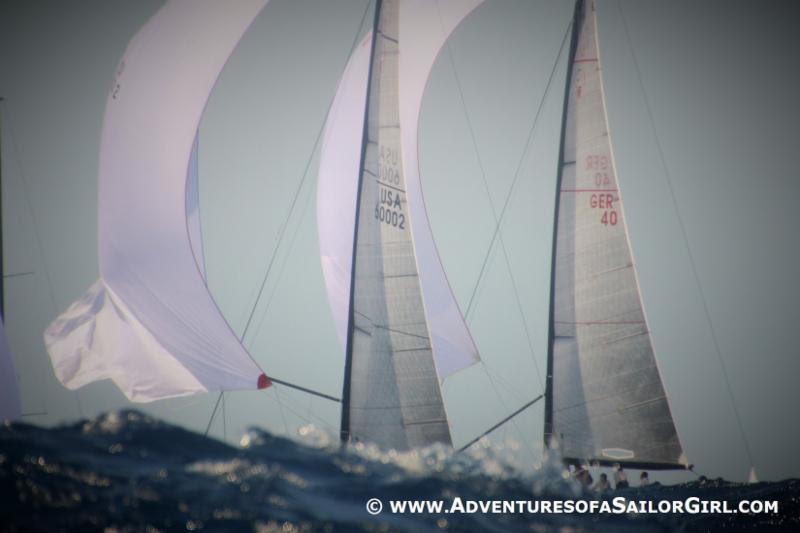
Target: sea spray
{"x":127,"y":471}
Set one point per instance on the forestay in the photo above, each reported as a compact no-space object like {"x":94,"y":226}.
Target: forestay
{"x":149,"y":323}
{"x":392,"y":396}
{"x":607,"y":402}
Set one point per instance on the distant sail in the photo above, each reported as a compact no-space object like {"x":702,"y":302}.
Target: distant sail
{"x":392,"y":396}
{"x":606,"y":402}
{"x":9,"y":389}
{"x":149,"y":323}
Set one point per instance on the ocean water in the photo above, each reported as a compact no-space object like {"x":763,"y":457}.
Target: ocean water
{"x":125,"y":471}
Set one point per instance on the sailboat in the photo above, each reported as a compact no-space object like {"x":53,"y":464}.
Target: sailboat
{"x":150,"y":323}
{"x":9,"y":388}
{"x":399,"y":324}
{"x":604,"y":399}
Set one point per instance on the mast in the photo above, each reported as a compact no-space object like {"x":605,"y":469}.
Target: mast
{"x":548,"y":390}
{"x":344,"y":431}
{"x":2,"y":270}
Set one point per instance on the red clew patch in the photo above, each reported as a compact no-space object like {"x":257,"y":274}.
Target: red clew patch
{"x":263,"y":381}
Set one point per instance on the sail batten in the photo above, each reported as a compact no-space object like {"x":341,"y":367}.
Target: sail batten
{"x":606,"y":399}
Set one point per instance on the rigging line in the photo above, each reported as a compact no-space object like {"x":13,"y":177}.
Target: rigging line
{"x":686,"y":239}
{"x":309,"y":410}
{"x":302,"y":180}
{"x":304,"y":389}
{"x":26,"y":193}
{"x":280,"y":408}
{"x":503,"y":403}
{"x":213,"y":414}
{"x":292,"y":240}
{"x":531,"y":132}
{"x":308,"y":421}
{"x":503,"y":421}
{"x":497,"y":222}
{"x":296,"y":196}
{"x":507,"y":384}
{"x":18,"y":274}
{"x":224,"y":421}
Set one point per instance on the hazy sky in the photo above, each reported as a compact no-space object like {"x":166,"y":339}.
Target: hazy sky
{"x":714,"y":89}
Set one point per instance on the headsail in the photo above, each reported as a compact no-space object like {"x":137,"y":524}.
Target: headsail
{"x":149,"y":322}
{"x":605,"y":399}
{"x":392,"y":394}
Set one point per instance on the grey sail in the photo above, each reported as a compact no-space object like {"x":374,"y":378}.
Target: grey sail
{"x":605,"y":399}
{"x":391,"y":391}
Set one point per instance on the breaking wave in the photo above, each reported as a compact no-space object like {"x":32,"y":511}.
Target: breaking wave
{"x":125,"y":471}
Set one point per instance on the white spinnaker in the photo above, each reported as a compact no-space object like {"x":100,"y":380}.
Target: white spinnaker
{"x":9,"y":390}
{"x":193,"y":207}
{"x":149,"y":323}
{"x":426,"y":26}
{"x":340,"y":157}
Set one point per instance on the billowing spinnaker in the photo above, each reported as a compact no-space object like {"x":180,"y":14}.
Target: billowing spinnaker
{"x":424,"y":28}
{"x":9,"y":389}
{"x":149,"y":322}
{"x":608,"y":402}
{"x":337,"y":185}
{"x":428,"y":27}
{"x":193,"y":208}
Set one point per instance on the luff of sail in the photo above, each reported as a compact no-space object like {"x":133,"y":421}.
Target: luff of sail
{"x":606,"y":401}
{"x":149,"y":323}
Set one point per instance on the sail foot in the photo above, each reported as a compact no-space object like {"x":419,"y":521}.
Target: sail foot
{"x":98,"y":338}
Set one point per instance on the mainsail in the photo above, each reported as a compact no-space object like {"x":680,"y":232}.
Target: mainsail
{"x":149,"y":323}
{"x":605,"y":400}
{"x":387,"y":289}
